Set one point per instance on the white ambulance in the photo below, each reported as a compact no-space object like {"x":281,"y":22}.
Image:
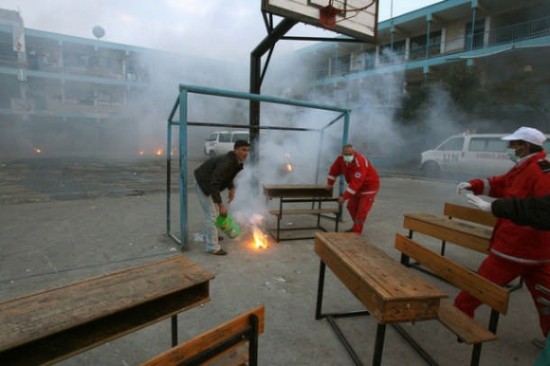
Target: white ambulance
{"x":475,"y":155}
{"x":221,"y":142}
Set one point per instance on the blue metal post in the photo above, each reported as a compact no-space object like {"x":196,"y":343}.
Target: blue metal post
{"x":168,"y":174}
{"x":345,"y":141}
{"x":428,"y":30}
{"x":472,"y":35}
{"x":183,"y":169}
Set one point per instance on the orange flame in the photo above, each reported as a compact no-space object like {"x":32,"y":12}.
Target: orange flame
{"x":260,"y":239}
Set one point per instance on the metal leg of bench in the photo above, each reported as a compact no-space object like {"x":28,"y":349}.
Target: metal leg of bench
{"x":493,"y":321}
{"x":319,"y":215}
{"x":332,"y":322}
{"x":414,"y":344}
{"x":476,"y":354}
{"x":342,"y":338}
{"x":443,"y":245}
{"x":253,"y":341}
{"x":279,"y":225}
{"x":174,"y":330}
{"x":320,"y":287}
{"x":379,"y":344}
{"x":516,"y":287}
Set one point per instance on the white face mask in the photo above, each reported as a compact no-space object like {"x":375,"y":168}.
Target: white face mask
{"x":348,"y":158}
{"x":512,"y":154}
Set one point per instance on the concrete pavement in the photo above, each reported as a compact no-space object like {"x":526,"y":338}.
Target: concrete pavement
{"x":64,"y":223}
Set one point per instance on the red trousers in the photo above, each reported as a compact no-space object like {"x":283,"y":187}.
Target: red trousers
{"x":501,"y":271}
{"x":359,"y":207}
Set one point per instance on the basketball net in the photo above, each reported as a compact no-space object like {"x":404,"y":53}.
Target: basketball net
{"x":327,"y":15}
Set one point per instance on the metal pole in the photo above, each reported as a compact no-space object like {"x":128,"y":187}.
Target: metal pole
{"x":183,"y":168}
{"x":168,"y":178}
{"x":256,"y":77}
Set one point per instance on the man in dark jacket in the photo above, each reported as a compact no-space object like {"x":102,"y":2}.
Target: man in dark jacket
{"x":532,"y":211}
{"x":212,"y":177}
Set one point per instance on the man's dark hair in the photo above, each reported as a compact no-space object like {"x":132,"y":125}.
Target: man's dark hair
{"x":240,"y":143}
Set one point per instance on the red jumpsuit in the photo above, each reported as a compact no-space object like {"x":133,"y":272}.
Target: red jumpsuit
{"x":517,"y":250}
{"x":363,"y":184}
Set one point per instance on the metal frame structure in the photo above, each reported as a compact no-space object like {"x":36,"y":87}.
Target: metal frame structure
{"x":181,"y":108}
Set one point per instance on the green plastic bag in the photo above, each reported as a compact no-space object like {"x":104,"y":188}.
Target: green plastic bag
{"x":228,"y":226}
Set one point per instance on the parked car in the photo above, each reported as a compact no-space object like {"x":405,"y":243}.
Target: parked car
{"x":221,"y":142}
{"x":469,"y":154}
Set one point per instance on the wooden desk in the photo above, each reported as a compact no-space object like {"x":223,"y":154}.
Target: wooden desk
{"x":390,"y":292}
{"x":314,"y":194}
{"x":55,"y":324}
{"x":296,"y":190}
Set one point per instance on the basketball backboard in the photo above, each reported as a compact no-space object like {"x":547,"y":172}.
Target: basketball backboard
{"x":355,"y":18}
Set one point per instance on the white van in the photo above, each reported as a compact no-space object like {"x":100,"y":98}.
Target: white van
{"x":221,"y":142}
{"x":476,"y":155}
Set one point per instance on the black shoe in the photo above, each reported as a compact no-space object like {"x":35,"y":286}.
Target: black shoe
{"x":220,"y":238}
{"x":217,"y":252}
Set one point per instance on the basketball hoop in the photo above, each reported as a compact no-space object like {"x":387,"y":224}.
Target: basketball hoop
{"x":327,"y":16}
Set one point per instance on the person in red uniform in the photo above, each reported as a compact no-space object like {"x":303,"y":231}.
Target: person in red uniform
{"x":363,"y":184}
{"x":517,"y":250}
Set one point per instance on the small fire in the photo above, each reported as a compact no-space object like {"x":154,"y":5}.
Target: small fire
{"x":260,"y":239}
{"x":37,"y":150}
{"x":158,"y":152}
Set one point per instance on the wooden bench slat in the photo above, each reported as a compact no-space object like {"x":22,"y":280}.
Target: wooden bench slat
{"x":469,"y":214}
{"x":51,"y":325}
{"x":298,"y":211}
{"x":188,"y":350}
{"x":469,"y":331}
{"x":461,"y":233}
{"x":484,"y":290}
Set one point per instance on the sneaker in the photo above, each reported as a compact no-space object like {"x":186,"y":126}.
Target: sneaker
{"x":217,"y":252}
{"x":540,"y":343}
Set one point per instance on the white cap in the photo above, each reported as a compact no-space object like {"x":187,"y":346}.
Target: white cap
{"x":531,"y":135}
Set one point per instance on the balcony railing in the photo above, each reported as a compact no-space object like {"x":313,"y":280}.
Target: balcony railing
{"x":534,"y":28}
{"x":498,"y":36}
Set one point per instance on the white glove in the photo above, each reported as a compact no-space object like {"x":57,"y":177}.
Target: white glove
{"x":478,"y":202}
{"x":462,"y":186}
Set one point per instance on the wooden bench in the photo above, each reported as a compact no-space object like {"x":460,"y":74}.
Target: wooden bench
{"x":224,"y":345}
{"x":467,"y":329}
{"x":390,"y":292}
{"x":464,"y":226}
{"x":460,"y":225}
{"x":313,"y":194}
{"x":55,"y":324}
